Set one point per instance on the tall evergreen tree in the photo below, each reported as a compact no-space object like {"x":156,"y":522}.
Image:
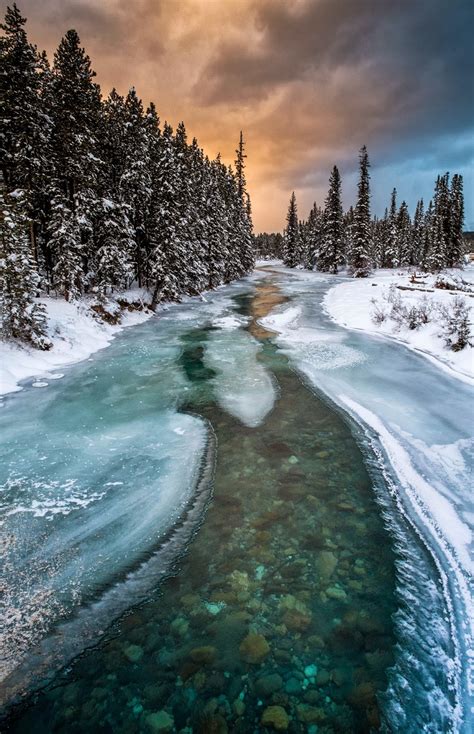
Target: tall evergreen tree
{"x":418,"y":234}
{"x":361,"y":244}
{"x":21,"y":317}
{"x":291,"y":243}
{"x":25,"y":129}
{"x":455,"y":249}
{"x":404,"y":236}
{"x":332,"y":241}
{"x":391,"y":258}
{"x":314,"y":227}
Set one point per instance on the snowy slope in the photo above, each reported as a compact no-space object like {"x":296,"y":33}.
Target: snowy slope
{"x":75,"y":333}
{"x":350,"y":304}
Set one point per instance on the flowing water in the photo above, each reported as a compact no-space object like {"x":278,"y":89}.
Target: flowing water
{"x":264,"y":599}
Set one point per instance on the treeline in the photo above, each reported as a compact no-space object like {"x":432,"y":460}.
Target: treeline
{"x":331,"y":238}
{"x":96,"y":195}
{"x":269,"y":246}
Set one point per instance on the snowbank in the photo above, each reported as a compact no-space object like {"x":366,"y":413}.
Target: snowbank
{"x":75,"y":332}
{"x":350,"y":305}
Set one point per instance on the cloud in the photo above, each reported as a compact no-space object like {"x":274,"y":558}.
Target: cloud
{"x":309,"y":81}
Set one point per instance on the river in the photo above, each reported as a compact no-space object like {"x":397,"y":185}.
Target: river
{"x":201,"y":520}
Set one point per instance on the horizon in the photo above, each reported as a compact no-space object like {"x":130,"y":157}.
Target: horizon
{"x":392,"y":87}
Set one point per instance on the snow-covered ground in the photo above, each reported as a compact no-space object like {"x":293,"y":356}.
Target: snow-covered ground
{"x":75,"y":331}
{"x":350,"y":304}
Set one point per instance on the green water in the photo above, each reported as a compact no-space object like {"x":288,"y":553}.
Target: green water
{"x":283,"y":600}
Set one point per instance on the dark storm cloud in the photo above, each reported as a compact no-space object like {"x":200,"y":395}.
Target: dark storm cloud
{"x":413,"y":59}
{"x":309,"y":81}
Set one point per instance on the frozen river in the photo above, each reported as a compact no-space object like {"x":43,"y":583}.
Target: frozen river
{"x":332,"y":532}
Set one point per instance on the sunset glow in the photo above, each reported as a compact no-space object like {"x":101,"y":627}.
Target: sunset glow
{"x":307,"y":81}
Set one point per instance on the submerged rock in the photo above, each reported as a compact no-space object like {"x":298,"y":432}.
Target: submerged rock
{"x":134,"y":653}
{"x":276,"y":717}
{"x":254,"y":648}
{"x":203,"y":655}
{"x":310,"y":714}
{"x":159,"y":722}
{"x":269,"y":684}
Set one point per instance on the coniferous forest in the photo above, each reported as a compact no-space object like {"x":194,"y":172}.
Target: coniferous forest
{"x":97,"y":193}
{"x":331,"y":238}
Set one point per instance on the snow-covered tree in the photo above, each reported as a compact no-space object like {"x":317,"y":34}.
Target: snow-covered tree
{"x":361,"y":235}
{"x":21,"y":316}
{"x":455,"y":248}
{"x":418,"y":235}
{"x":314,"y":227}
{"x":404,"y":236}
{"x":291,"y":242}
{"x":116,"y":245}
{"x":66,"y":248}
{"x":25,"y":130}
{"x":331,"y":253}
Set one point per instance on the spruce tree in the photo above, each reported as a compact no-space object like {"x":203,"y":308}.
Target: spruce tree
{"x":135,"y":181}
{"x":436,"y":256}
{"x":404,"y":236}
{"x":455,"y":249}
{"x":25,"y":130}
{"x":418,"y":234}
{"x":66,"y":248}
{"x":391,"y":259}
{"x":243,"y":213}
{"x":332,"y":240}
{"x":361,"y":244}
{"x":314,"y":228}
{"x":21,"y":317}
{"x":291,"y":243}
{"x":116,"y":245}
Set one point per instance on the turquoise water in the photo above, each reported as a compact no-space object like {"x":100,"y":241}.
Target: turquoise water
{"x":203,"y":543}
{"x":284,"y":596}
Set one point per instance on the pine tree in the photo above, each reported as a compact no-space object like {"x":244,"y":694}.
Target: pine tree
{"x":314,"y":229}
{"x":116,"y":244}
{"x":291,"y":246}
{"x":216,"y":224}
{"x":67,"y":250}
{"x":442,"y":210}
{"x":391,"y":259}
{"x":455,"y":248}
{"x":361,"y":244}
{"x":404,"y":236}
{"x":75,"y":108}
{"x":436,"y":256}
{"x":240,"y":167}
{"x":25,"y":129}
{"x":332,"y":240}
{"x":418,"y":234}
{"x":135,"y":184}
{"x":243,"y":217}
{"x":21,"y":316}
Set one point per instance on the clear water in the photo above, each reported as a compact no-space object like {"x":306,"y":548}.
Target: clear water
{"x":293,"y":546}
{"x":426,"y":421}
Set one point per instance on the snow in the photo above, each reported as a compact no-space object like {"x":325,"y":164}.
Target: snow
{"x":350,"y":305}
{"x":75,"y":333}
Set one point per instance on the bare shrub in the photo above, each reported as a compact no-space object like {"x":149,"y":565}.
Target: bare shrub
{"x":455,"y":323}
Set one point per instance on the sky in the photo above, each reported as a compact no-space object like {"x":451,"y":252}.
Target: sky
{"x":308,"y":81}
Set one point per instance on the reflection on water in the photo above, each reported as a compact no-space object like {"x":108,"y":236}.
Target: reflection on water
{"x":280,"y":615}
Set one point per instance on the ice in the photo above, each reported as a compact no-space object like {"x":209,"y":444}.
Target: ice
{"x":242,"y":385}
{"x":89,"y":516}
{"x":418,"y":418}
